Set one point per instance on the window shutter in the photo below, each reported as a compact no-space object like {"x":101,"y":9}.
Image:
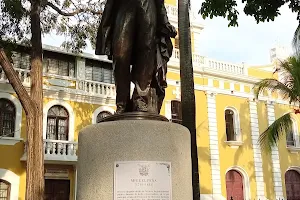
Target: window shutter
{"x":107,"y":75}
{"x":16,"y":57}
{"x":53,"y":66}
{"x":97,"y":73}
{"x":63,"y":68}
{"x":229,"y":119}
{"x":88,"y":72}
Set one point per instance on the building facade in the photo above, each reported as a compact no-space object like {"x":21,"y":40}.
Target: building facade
{"x":79,"y":90}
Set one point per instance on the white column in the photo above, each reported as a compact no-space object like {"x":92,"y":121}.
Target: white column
{"x":275,"y":157}
{"x":259,"y":177}
{"x":214,"y":145}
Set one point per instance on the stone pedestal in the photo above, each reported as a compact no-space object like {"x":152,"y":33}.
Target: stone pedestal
{"x":102,"y":144}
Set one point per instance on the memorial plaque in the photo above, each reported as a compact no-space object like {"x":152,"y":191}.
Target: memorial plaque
{"x":142,"y":180}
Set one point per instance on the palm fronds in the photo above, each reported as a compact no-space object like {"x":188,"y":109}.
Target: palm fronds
{"x":288,"y":85}
{"x":273,"y":85}
{"x":271,"y":136}
{"x":296,"y":39}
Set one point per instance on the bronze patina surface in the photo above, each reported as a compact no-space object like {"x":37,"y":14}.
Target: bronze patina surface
{"x":136,"y":36}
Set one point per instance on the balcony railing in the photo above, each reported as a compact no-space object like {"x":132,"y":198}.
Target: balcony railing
{"x":106,"y":90}
{"x":23,"y":74}
{"x":203,"y":63}
{"x":96,"y":88}
{"x":84,"y":86}
{"x":57,"y":151}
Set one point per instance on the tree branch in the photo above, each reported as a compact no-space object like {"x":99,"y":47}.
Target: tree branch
{"x":75,"y":12}
{"x":16,"y":83}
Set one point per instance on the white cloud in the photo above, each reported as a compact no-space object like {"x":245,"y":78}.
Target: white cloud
{"x":250,"y":42}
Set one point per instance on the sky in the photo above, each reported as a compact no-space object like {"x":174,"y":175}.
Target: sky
{"x":249,"y":43}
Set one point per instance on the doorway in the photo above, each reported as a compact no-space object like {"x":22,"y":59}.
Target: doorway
{"x":57,"y":189}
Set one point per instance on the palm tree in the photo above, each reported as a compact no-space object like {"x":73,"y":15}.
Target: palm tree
{"x":296,"y":39}
{"x":289,"y":87}
{"x":187,"y":87}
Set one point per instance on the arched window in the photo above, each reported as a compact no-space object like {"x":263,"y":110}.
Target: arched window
{"x":102,"y":115}
{"x":4,"y":190}
{"x":292,"y":184}
{"x":232,"y":125}
{"x":7,"y":118}
{"x":292,"y":137}
{"x":234,"y":185}
{"x":176,"y":111}
{"x":57,"y":123}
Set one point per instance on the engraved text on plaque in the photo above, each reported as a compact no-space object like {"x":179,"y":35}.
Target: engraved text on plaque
{"x":142,"y":180}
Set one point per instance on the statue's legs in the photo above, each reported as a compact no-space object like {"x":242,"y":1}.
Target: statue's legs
{"x":122,"y":50}
{"x":144,"y":53}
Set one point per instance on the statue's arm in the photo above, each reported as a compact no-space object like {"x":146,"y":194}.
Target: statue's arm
{"x":166,"y":27}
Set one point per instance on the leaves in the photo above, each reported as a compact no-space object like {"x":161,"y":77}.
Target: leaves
{"x":280,"y":127}
{"x":261,"y":10}
{"x":289,"y":87}
{"x":79,"y":26}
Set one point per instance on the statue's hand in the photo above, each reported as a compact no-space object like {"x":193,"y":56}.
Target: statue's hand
{"x":172,"y":30}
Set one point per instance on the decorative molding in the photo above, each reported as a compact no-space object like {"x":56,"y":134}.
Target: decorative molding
{"x":246,"y":182}
{"x":293,"y":149}
{"x":275,"y":157}
{"x":258,"y":166}
{"x":214,"y":145}
{"x":234,"y":144}
{"x":99,"y":110}
{"x":68,"y":107}
{"x":18,"y":120}
{"x":10,"y":140}
{"x":14,"y":181}
{"x":59,"y":82}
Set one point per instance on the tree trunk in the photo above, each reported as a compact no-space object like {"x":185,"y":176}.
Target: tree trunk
{"x":35,"y":155}
{"x":30,"y":110}
{"x":187,"y":87}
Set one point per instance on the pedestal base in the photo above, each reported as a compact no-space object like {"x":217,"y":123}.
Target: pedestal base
{"x":102,"y":144}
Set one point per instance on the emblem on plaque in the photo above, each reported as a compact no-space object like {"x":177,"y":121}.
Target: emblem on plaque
{"x":144,"y":170}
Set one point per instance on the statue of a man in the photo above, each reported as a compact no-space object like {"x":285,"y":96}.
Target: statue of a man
{"x":137,"y":33}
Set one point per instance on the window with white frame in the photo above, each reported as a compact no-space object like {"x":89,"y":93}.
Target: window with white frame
{"x":57,"y":123}
{"x":176,"y":111}
{"x":99,"y":71}
{"x":292,"y":136}
{"x":4,"y":190}
{"x":7,"y":118}
{"x":58,"y":64}
{"x":232,"y":125}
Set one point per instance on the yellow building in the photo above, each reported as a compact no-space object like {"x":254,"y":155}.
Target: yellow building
{"x":79,"y":90}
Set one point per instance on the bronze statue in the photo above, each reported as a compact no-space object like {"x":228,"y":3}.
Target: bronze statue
{"x":135,"y":34}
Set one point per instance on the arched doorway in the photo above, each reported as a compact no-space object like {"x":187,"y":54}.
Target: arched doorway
{"x":292,"y":185}
{"x":234,"y":185}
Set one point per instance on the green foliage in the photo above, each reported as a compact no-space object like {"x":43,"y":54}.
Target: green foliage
{"x":76,"y":20}
{"x":261,"y":10}
{"x":289,"y":87}
{"x":280,"y":127}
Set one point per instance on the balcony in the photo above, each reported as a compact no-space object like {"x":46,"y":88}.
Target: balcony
{"x":84,"y":87}
{"x":202,"y":63}
{"x":58,"y":152}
